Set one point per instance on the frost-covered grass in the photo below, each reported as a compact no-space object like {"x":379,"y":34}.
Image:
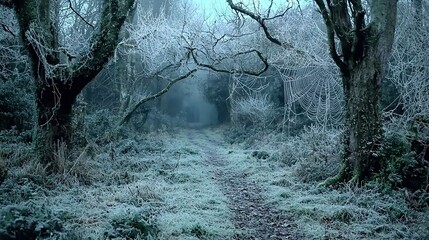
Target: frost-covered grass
{"x":161,"y":186}
{"x":290,"y":178}
{"x":152,"y":187}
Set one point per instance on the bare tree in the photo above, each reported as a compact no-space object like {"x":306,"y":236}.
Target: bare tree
{"x":58,"y":82}
{"x":360,"y":39}
{"x":365,"y":40}
{"x":171,"y":48}
{"x":408,"y":68}
{"x":153,"y":47}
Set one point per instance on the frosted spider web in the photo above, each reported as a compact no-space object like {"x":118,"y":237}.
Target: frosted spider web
{"x":312,"y":84}
{"x":317,"y":91}
{"x":408,"y":69}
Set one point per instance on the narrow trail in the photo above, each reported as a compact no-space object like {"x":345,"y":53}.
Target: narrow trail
{"x":253,"y":218}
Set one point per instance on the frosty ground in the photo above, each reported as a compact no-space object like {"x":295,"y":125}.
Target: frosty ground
{"x":202,"y":184}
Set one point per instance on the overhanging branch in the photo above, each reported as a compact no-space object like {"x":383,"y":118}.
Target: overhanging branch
{"x":192,"y":54}
{"x":128,"y":115}
{"x":261,"y":22}
{"x":79,"y":15}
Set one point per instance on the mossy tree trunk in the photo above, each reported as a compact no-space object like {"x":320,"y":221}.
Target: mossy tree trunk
{"x":360,"y":46}
{"x":58,"y":83}
{"x":363,"y":128}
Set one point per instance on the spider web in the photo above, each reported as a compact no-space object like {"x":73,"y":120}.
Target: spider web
{"x":312,"y":84}
{"x":317,"y":91}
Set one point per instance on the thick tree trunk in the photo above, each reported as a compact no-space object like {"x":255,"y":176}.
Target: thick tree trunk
{"x":363,"y":127}
{"x":365,"y":50}
{"x":54,"y":126}
{"x":58,"y":83}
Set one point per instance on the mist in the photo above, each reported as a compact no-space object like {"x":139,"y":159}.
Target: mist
{"x":214,"y":120}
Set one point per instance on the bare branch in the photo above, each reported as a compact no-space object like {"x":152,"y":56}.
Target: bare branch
{"x":269,"y":8}
{"x":128,"y":115}
{"x":278,"y":15}
{"x":251,"y":73}
{"x":103,"y":45}
{"x":331,"y":36}
{"x":80,"y":16}
{"x":261,"y":22}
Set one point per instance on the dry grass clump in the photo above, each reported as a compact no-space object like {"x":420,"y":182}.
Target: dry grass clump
{"x":143,"y":192}
{"x":69,"y":169}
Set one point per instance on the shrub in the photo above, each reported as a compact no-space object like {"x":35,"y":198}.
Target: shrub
{"x":403,"y":167}
{"x":253,"y":111}
{"x":238,"y":134}
{"x":16,"y":93}
{"x":314,"y":154}
{"x":99,"y":126}
{"x":137,"y":225}
{"x":23,"y":222}
{"x":217,"y":92}
{"x":3,"y":170}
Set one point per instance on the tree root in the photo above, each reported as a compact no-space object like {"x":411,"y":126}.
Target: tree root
{"x":343,"y":176}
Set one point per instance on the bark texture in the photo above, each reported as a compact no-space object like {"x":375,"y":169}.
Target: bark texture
{"x":361,"y":55}
{"x":58,"y":84}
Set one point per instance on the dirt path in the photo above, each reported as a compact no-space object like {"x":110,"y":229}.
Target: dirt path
{"x":253,"y":218}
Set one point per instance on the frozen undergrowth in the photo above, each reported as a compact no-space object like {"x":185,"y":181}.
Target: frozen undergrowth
{"x":159,"y":187}
{"x":349,"y":212}
{"x":156,"y":187}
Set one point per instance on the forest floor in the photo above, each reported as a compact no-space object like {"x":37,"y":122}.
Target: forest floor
{"x":192,"y":184}
{"x":253,"y":217}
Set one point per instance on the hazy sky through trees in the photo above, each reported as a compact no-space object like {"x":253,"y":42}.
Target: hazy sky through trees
{"x":215,"y":8}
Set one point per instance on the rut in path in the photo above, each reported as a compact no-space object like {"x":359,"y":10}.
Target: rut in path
{"x":253,"y":218}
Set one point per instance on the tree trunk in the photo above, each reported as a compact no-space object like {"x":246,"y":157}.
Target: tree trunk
{"x":54,"y":127}
{"x":58,"y":83}
{"x":365,"y":51}
{"x":363,"y":128}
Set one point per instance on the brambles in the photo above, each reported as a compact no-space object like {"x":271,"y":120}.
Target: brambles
{"x":314,"y":154}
